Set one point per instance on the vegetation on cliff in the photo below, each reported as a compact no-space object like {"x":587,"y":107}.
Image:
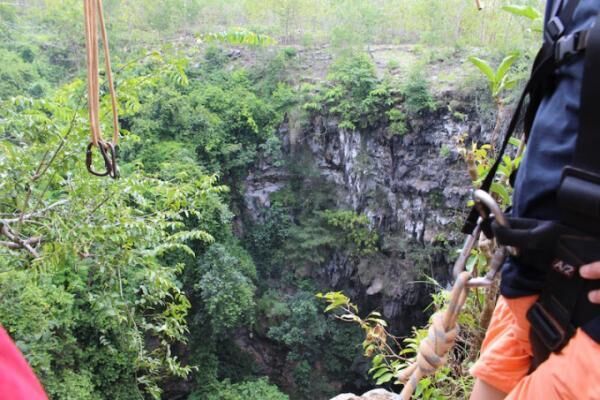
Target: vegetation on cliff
{"x":153,"y":286}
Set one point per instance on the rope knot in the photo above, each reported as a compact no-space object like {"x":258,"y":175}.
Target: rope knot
{"x":442,"y":333}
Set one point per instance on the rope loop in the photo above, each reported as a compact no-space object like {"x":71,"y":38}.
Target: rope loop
{"x":434,"y":349}
{"x":94,"y":19}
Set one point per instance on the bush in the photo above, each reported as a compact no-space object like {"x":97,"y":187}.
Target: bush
{"x":357,"y":235}
{"x":225,"y":287}
{"x":259,"y":389}
{"x":416,"y":92}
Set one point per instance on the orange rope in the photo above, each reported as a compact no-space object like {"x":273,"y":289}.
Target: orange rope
{"x":434,"y":349}
{"x":94,"y":15}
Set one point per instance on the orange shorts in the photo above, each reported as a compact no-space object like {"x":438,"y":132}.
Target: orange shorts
{"x":506,"y":354}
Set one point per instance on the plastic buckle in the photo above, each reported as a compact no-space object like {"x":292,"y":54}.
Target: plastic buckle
{"x":550,"y":332}
{"x":555,"y":28}
{"x":565,"y":47}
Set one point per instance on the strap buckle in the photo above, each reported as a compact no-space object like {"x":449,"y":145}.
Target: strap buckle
{"x":109,"y":156}
{"x":548,"y":328}
{"x":555,"y":28}
{"x":570,"y":45}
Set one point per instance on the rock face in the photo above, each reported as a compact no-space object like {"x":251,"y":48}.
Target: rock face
{"x":377,"y":394}
{"x":413,"y":189}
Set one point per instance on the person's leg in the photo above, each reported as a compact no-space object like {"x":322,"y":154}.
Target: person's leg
{"x":572,"y":374}
{"x":483,"y":391}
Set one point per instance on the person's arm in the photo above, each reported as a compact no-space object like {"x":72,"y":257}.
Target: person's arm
{"x":483,"y":391}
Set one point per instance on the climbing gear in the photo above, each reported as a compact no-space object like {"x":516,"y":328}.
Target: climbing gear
{"x":109,"y":155}
{"x":563,"y":304}
{"x":540,"y":82}
{"x":559,"y":248}
{"x":443,"y":331}
{"x":434,"y":349}
{"x":489,"y":211}
{"x":94,"y":15}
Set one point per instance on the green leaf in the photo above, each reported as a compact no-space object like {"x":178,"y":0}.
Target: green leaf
{"x":378,"y":359}
{"x":504,"y":67}
{"x":384,"y":378}
{"x":501,"y":191}
{"x":382,"y":370}
{"x":471,"y":263}
{"x":514,"y":141}
{"x":523,"y":11}
{"x":484,"y":67}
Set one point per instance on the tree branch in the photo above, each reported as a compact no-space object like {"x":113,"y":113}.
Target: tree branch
{"x":18,"y":243}
{"x":34,"y":214}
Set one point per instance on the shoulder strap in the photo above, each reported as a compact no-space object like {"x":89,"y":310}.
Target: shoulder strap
{"x":537,"y":87}
{"x":579,"y":192}
{"x":587,"y":151}
{"x":561,"y":16}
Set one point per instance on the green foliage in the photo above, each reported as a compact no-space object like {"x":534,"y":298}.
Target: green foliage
{"x":106,"y":278}
{"x":389,"y":356}
{"x":18,"y":75}
{"x":99,"y":312}
{"x":499,"y":80}
{"x":239,"y":37}
{"x":362,"y":101}
{"x":259,"y":389}
{"x":266,"y":239}
{"x":225,"y":287}
{"x":221,"y":117}
{"x":398,"y":122}
{"x":533,"y":14}
{"x":303,"y":328}
{"x":416,"y":92}
{"x":355,"y":229}
{"x":356,"y":96}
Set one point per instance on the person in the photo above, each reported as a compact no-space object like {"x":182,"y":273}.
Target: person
{"x":17,"y":380}
{"x":503,"y":370}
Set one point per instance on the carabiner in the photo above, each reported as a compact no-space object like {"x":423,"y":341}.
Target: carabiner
{"x":110,"y":160}
{"x":114,"y":168}
{"x":465,"y":253}
{"x":481,"y":199}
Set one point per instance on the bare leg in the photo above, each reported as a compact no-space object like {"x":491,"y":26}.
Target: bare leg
{"x":483,"y":391}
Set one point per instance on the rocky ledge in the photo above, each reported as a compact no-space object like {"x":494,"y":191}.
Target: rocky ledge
{"x":377,"y":394}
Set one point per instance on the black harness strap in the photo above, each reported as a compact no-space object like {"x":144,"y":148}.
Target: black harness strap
{"x":579,"y":192}
{"x":588,"y":141}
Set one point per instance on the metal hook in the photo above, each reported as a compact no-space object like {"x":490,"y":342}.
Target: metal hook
{"x":487,"y":200}
{"x":483,"y":199}
{"x":109,"y":156}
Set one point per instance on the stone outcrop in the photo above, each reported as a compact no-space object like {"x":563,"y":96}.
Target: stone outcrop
{"x":413,"y":189}
{"x":377,"y":394}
